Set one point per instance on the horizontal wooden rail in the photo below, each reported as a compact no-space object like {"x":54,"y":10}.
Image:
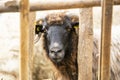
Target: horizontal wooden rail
{"x":13,"y":6}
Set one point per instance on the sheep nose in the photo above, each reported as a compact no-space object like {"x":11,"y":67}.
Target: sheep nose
{"x":56,"y":47}
{"x":55,"y":50}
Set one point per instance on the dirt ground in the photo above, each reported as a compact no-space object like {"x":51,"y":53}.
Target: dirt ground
{"x":10,"y":39}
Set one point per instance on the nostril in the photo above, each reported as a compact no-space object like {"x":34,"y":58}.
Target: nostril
{"x":52,"y":51}
{"x":59,"y":50}
{"x":56,"y":50}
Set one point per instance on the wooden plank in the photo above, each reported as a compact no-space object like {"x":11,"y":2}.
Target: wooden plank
{"x":32,"y":17}
{"x":24,"y":38}
{"x":107,"y":8}
{"x":85,"y":45}
{"x":13,"y":6}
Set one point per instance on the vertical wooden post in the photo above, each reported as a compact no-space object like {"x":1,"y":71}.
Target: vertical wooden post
{"x":85,"y":45}
{"x":24,"y":38}
{"x":32,"y":17}
{"x":106,"y":39}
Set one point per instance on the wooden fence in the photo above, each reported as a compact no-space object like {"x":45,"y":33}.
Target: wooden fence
{"x":85,"y":32}
{"x":14,"y":6}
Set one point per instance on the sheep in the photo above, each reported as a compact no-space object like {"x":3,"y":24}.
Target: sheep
{"x":9,"y":67}
{"x":114,"y":55}
{"x":60,"y":51}
{"x":56,"y":60}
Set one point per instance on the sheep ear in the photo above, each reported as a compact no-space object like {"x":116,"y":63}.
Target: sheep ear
{"x":39,"y":29}
{"x":75,"y":24}
{"x":74,"y":18}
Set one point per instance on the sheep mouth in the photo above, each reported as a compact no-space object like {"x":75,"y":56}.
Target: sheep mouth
{"x":57,"y":60}
{"x":57,"y":56}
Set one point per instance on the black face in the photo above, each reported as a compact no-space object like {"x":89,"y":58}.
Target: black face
{"x":57,"y":41}
{"x":57,"y":36}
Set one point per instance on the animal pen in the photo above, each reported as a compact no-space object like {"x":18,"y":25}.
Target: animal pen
{"x":85,"y":33}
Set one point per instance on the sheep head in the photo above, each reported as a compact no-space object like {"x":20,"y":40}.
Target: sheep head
{"x":57,"y":29}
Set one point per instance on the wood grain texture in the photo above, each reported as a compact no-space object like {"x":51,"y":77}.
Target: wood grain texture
{"x":85,"y":46}
{"x":13,"y":6}
{"x":32,"y":17}
{"x":107,"y":8}
{"x":24,"y":39}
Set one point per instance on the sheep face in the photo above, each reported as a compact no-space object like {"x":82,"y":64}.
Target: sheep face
{"x":57,"y":38}
{"x":57,"y":30}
